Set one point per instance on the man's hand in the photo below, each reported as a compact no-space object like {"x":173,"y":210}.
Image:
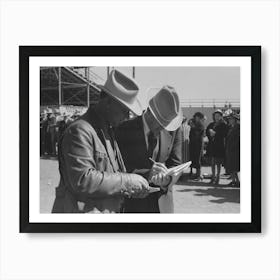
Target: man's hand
{"x":158,"y":168}
{"x":135,"y":186}
{"x":161,"y":180}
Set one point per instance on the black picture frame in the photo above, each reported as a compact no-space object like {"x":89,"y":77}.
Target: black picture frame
{"x":25,"y":52}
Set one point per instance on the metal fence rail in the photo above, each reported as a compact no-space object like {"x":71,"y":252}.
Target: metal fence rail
{"x":235,"y":103}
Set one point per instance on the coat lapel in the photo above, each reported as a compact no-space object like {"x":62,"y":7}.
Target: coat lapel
{"x":100,"y":128}
{"x":141,"y":138}
{"x":165,"y":141}
{"x":110,"y":152}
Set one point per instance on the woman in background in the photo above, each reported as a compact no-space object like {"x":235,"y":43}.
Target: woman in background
{"x":186,"y":140}
{"x":232,"y":149}
{"x":216,"y":133}
{"x":197,"y":133}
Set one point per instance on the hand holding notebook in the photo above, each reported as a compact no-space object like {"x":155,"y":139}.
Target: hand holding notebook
{"x":170,"y":175}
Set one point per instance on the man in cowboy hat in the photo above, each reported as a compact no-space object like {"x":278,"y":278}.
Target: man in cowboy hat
{"x":93,"y":178}
{"x":155,"y":135}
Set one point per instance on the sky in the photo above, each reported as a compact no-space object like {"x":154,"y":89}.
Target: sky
{"x":191,"y":83}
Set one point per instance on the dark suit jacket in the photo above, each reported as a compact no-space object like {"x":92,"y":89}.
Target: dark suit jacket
{"x":131,"y":140}
{"x":89,"y":173}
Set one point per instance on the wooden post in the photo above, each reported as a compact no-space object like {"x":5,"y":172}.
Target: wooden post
{"x":59,"y":87}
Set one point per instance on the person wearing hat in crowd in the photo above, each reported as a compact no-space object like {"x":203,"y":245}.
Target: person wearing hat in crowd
{"x":43,"y":132}
{"x":93,"y":177}
{"x":185,"y":140}
{"x":197,"y":133}
{"x":53,"y":132}
{"x":48,"y":141}
{"x":232,"y":149}
{"x":216,"y":132}
{"x":150,"y":144}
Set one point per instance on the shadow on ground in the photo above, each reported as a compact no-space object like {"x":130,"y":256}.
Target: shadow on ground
{"x":222,"y":194}
{"x":47,"y":157}
{"x":193,"y":183}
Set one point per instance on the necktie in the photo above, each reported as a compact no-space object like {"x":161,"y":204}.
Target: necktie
{"x":152,"y":142}
{"x":117,"y":152}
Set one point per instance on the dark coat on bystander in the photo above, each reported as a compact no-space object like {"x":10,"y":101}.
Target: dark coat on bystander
{"x":233,"y":149}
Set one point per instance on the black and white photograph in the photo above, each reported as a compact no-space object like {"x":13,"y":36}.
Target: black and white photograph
{"x":139,"y":140}
{"x":117,"y":139}
{"x":143,"y":136}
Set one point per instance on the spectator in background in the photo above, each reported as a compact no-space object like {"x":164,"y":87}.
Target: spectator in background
{"x":186,"y":140}
{"x":197,"y":133}
{"x":216,"y":133}
{"x":62,"y":124}
{"x":53,"y":123}
{"x":48,"y":135}
{"x":43,"y":132}
{"x":52,"y":133}
{"x":232,"y":149}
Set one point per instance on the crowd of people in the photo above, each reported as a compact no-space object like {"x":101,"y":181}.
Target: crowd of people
{"x":53,"y":123}
{"x":218,"y":143}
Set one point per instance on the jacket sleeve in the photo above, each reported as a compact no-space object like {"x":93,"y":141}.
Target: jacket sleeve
{"x":78,"y":148}
{"x":175,"y":157}
{"x":143,"y":172}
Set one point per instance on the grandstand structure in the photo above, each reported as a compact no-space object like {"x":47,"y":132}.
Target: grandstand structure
{"x":64,"y":86}
{"x":80,"y":87}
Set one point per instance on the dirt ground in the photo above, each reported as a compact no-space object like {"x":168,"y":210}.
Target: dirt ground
{"x":188,"y":196}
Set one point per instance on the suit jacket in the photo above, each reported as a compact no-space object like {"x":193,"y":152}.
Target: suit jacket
{"x":131,"y":140}
{"x":89,"y":172}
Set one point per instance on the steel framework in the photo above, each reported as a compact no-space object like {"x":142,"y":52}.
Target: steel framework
{"x":68,"y":86}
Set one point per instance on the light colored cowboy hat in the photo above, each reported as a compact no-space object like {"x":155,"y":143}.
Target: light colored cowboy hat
{"x":218,"y":111}
{"x":165,"y":107}
{"x":123,"y":89}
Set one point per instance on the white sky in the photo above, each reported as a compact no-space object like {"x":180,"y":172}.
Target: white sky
{"x":190,"y":82}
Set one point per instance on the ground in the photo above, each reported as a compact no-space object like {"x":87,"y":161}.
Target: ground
{"x":188,"y":196}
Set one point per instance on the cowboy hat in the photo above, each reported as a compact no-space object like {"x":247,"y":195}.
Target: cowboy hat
{"x":49,"y":111}
{"x":124,"y":90}
{"x":218,"y":111}
{"x":165,"y":107}
{"x":233,"y":116}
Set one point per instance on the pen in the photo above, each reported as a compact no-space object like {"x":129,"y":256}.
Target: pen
{"x":159,"y":163}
